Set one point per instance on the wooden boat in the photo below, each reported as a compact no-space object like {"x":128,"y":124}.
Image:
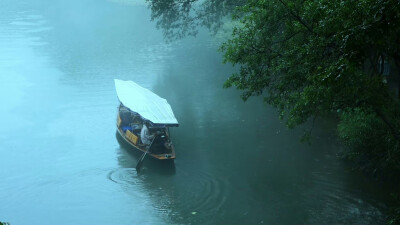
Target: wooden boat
{"x":140,"y":106}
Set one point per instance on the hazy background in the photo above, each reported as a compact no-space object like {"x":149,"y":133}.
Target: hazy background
{"x":61,"y":161}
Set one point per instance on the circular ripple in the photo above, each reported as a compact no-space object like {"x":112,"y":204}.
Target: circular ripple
{"x":194,"y":196}
{"x":330,"y":196}
{"x":125,"y":177}
{"x":211,"y":192}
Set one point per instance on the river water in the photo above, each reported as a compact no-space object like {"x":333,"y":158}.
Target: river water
{"x":61,"y":161}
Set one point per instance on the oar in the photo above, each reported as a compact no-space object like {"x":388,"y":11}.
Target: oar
{"x":140,"y":161}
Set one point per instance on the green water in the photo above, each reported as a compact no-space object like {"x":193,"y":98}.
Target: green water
{"x":62,"y":163}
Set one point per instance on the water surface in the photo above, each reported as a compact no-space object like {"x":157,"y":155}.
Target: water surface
{"x":61,"y":161}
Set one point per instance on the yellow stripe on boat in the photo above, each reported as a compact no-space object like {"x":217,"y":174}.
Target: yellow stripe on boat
{"x":119,"y":121}
{"x":131,"y":136}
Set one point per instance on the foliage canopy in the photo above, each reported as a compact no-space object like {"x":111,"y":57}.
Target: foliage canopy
{"x":180,"y":18}
{"x":309,"y":58}
{"x":318,"y":57}
{"x":312,"y":58}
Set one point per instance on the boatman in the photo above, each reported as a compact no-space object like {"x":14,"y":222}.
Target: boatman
{"x":145,"y":135}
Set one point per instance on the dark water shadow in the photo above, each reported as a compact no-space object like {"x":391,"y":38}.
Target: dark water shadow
{"x":155,"y":181}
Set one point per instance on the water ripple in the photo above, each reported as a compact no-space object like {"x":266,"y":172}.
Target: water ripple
{"x":331,"y":197}
{"x":203,"y":197}
{"x":125,"y":177}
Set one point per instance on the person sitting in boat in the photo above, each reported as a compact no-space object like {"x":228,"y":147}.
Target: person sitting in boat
{"x":145,"y":135}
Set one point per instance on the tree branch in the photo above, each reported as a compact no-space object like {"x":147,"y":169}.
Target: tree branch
{"x":297,"y":17}
{"x":388,"y":124}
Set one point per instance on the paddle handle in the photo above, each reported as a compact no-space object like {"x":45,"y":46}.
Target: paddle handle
{"x":140,"y":161}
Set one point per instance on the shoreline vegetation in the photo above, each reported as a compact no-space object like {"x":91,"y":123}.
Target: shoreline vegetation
{"x":312,"y":59}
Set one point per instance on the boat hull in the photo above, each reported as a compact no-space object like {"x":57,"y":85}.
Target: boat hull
{"x":163,"y":156}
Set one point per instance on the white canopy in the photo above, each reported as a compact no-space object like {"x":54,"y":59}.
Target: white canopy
{"x":149,"y":105}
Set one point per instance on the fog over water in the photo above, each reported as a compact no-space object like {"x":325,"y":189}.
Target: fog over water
{"x":61,"y":161}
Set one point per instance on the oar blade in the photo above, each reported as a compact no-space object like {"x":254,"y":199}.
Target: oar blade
{"x":141,"y":159}
{"x":140,"y":162}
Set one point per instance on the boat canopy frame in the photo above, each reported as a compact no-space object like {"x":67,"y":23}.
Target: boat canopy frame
{"x":153,"y":125}
{"x":149,"y":106}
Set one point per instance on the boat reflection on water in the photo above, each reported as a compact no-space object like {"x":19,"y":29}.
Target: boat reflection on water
{"x":154,"y":188}
{"x":129,"y":156}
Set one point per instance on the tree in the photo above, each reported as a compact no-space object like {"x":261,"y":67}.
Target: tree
{"x":312,"y":58}
{"x":180,"y":18}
